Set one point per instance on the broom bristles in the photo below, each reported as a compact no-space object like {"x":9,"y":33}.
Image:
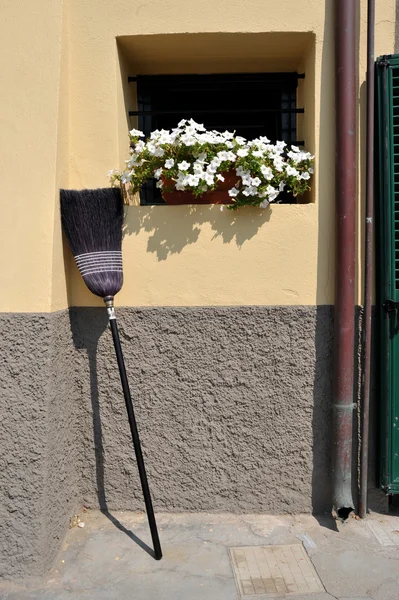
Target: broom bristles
{"x":92,"y":221}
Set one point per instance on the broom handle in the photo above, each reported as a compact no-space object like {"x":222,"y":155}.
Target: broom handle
{"x":136,"y":439}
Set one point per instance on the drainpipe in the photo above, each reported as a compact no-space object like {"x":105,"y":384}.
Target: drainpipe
{"x":345,"y":240}
{"x":368,"y":269}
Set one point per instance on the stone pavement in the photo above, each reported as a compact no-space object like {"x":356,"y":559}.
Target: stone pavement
{"x":220,"y":557}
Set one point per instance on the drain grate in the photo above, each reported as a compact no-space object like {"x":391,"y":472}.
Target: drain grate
{"x":273,"y":570}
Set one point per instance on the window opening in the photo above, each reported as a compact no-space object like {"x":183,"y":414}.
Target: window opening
{"x":251,"y":104}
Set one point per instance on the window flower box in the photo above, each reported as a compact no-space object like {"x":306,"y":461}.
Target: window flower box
{"x":196,"y":166}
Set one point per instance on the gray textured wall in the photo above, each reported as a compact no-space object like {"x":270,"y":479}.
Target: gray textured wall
{"x":38,"y":440}
{"x":233,"y":406}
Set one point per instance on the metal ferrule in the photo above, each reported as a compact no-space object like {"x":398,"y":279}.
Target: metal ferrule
{"x":109,"y":301}
{"x":111,"y":313}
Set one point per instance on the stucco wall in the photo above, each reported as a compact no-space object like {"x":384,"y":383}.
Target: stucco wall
{"x":30,"y":63}
{"x":233,"y":407}
{"x":40,"y":439}
{"x":273,"y":266}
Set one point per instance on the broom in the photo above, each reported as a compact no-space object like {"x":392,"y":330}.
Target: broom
{"x":92,"y":221}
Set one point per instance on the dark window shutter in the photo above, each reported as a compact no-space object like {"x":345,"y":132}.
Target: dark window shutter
{"x":387,"y":205}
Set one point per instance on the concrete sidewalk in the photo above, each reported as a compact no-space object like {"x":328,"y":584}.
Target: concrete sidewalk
{"x":107,"y":559}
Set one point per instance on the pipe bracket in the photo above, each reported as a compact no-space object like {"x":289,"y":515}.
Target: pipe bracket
{"x":343,"y":407}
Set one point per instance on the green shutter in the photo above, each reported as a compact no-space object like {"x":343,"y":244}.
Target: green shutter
{"x":387,"y":205}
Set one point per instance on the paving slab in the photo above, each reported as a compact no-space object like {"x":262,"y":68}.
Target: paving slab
{"x":110,"y":559}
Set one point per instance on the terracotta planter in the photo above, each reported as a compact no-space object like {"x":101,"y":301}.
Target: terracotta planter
{"x":218,"y":196}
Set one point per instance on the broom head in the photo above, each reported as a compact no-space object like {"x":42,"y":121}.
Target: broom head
{"x":92,"y":222}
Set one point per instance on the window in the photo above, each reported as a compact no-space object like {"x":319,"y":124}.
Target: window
{"x":252,"y":104}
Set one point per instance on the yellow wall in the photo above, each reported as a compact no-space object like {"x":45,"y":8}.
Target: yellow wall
{"x":64,"y":117}
{"x":30,"y":51}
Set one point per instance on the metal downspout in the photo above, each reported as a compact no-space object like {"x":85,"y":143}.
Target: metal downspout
{"x":368,"y":268}
{"x":345,"y":252}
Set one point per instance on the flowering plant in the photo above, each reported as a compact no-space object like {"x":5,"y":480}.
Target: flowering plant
{"x":191,"y":158}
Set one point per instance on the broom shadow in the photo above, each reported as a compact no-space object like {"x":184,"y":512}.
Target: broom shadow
{"x":79,"y":326}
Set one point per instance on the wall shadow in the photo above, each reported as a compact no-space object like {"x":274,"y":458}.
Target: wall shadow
{"x":324,"y":324}
{"x":171,"y":228}
{"x":87,"y":326}
{"x":322,"y":416}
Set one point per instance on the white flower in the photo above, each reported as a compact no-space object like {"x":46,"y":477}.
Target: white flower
{"x":182,"y":123}
{"x":220,"y":177}
{"x":212,"y":168}
{"x":223,"y":155}
{"x":188,"y":140}
{"x":240,"y":172}
{"x":291,"y":171}
{"x":258,"y":153}
{"x":264,"y":204}
{"x":195,"y":125}
{"x":184,"y":165}
{"x":158,"y":173}
{"x":209,"y":138}
{"x":154,"y":149}
{"x":266,"y":172}
{"x":304,"y":175}
{"x":311,"y":170}
{"x":139,"y":147}
{"x":201,"y":157}
{"x":155,"y":134}
{"x":249,"y":191}
{"x":255,"y":181}
{"x":246,"y":178}
{"x":165,"y":138}
{"x":198,"y":167}
{"x":242,"y":152}
{"x":295,"y":148}
{"x":169,"y":163}
{"x":159,"y":183}
{"x":216,"y":161}
{"x":209,"y":178}
{"x":272,"y":193}
{"x":132,"y":162}
{"x":240,"y":140}
{"x":264,"y":140}
{"x":113,"y":172}
{"x":193,"y":180}
{"x":126,"y":177}
{"x":233,"y":192}
{"x":136,"y":133}
{"x":281,"y":186}
{"x":278,"y":163}
{"x":228,"y":135}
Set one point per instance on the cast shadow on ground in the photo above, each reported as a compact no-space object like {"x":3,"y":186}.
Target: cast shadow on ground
{"x":87,"y":326}
{"x":171,"y":228}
